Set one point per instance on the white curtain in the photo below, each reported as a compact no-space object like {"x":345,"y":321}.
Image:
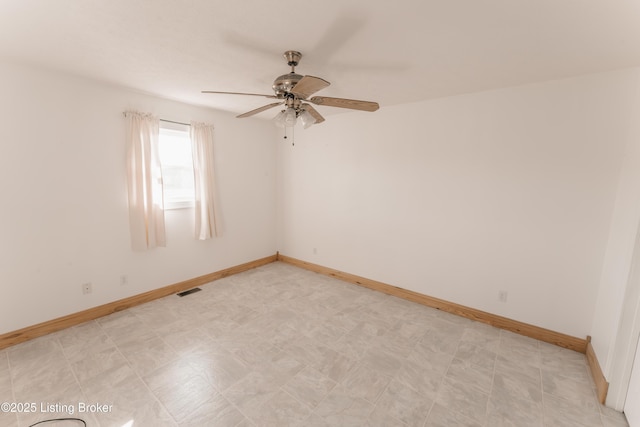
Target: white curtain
{"x":207,"y":225}
{"x":144,"y":180}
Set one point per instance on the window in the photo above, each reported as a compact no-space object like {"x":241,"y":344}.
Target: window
{"x":177,"y":165}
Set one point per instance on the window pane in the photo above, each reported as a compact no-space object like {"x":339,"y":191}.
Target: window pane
{"x":177,"y":167}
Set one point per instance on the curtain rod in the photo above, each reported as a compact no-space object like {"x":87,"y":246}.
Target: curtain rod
{"x":177,"y":123}
{"x":164,"y":120}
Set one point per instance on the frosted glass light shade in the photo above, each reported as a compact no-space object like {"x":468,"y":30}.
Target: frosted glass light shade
{"x":278,"y":120}
{"x":290,"y":117}
{"x":307,"y":119}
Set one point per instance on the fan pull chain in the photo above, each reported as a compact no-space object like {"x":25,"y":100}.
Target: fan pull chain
{"x":293,"y":136}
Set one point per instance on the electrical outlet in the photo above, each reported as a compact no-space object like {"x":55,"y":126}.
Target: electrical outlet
{"x":86,"y":288}
{"x":502,"y":296}
{"x":124,"y":280}
{"x":315,"y":251}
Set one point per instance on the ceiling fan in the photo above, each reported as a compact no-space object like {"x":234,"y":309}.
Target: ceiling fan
{"x":294,"y":90}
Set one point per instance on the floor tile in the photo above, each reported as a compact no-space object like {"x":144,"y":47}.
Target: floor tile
{"x":443,"y":417}
{"x":250,"y":393}
{"x":614,"y":421}
{"x":612,"y":418}
{"x":309,"y":386}
{"x":8,"y":419}
{"x":219,"y":366}
{"x":341,"y":404}
{"x":467,"y":399}
{"x":577,"y":391}
{"x":442,"y":336}
{"x":96,"y":362}
{"x":560,"y":412}
{"x":217,"y":411}
{"x":366,"y":383}
{"x":156,"y":354}
{"x":352,"y":344}
{"x":476,"y":354}
{"x":507,"y":383}
{"x":334,"y":364}
{"x":281,"y":410}
{"x":382,"y":360}
{"x":381,"y":418}
{"x":5,"y":378}
{"x":510,"y":406}
{"x":180,"y":388}
{"x":405,"y":404}
{"x":472,"y":376}
{"x":423,"y":377}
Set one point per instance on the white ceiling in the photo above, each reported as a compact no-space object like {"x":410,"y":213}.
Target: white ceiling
{"x":392,"y":52}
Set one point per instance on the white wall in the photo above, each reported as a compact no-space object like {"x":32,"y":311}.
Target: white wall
{"x":461,"y":197}
{"x":623,"y":233}
{"x":64,"y":217}
{"x":615,"y":328}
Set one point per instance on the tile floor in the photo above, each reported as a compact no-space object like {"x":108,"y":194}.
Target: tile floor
{"x":281,"y":346}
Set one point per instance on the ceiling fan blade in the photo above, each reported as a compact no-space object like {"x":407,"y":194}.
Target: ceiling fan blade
{"x":308,"y":85}
{"x":314,"y":113}
{"x":240,"y":93}
{"x":353,"y":104}
{"x":258,"y":110}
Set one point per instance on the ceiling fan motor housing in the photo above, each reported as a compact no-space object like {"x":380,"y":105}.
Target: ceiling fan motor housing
{"x":283,"y":84}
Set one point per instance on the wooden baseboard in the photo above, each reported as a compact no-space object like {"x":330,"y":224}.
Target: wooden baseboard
{"x":521,"y":328}
{"x":562,"y":340}
{"x":25,"y":334}
{"x":602,"y":386}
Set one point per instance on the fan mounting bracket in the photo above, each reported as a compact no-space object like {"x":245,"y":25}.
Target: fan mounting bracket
{"x":293,"y":58}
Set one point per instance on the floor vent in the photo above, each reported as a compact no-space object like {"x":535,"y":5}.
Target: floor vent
{"x":190,"y":291}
